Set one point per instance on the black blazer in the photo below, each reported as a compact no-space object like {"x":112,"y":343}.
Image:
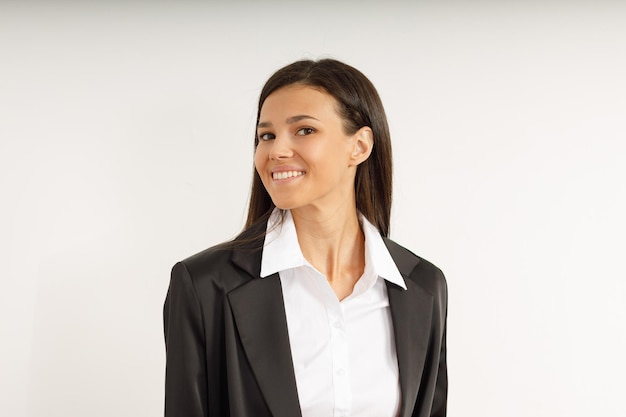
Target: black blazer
{"x":227,"y":346}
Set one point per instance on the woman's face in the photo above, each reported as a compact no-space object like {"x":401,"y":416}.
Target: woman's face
{"x":304,"y":157}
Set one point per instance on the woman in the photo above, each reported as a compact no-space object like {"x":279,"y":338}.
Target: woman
{"x":311,"y":310}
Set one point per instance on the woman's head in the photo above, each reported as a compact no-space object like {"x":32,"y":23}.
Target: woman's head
{"x":357,"y":105}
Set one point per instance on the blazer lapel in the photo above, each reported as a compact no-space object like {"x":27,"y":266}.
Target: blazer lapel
{"x":411,"y":314}
{"x":259,"y":314}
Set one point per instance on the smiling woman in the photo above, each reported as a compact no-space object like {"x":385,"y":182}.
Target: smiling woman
{"x":311,"y":310}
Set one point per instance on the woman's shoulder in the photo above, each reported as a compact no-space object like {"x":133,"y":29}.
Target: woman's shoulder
{"x":211,"y":257}
{"x":225,"y":262}
{"x":414,"y":267}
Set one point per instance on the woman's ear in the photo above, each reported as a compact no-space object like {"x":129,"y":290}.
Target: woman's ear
{"x":363,"y":145}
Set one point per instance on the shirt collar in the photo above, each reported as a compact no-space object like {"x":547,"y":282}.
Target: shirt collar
{"x":281,"y":250}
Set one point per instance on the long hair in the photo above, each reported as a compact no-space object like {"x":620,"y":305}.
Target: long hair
{"x":359,"y":105}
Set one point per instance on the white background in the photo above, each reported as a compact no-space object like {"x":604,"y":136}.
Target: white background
{"x":126,"y":145}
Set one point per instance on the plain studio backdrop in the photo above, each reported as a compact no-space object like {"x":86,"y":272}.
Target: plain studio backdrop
{"x":126,"y":145}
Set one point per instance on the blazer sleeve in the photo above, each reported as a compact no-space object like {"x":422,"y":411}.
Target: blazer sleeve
{"x":185,"y":370}
{"x":440,"y":398}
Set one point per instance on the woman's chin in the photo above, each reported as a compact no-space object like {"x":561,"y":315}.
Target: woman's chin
{"x":284,"y":204}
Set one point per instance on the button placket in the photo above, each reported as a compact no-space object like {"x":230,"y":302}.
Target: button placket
{"x":340,"y":360}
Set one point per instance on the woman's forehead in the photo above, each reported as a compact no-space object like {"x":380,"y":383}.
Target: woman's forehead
{"x":296,"y":99}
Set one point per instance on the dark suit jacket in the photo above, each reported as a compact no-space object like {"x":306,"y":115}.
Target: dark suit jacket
{"x":227,"y":346}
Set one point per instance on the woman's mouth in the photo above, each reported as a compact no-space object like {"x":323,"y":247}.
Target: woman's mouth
{"x":283,"y":175}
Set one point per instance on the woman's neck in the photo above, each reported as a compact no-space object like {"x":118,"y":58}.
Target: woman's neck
{"x":332,"y":241}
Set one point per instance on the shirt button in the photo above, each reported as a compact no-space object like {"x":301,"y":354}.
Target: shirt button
{"x":341,"y":372}
{"x":337,"y":325}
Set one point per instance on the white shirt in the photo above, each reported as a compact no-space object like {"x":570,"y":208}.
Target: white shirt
{"x":343,"y":353}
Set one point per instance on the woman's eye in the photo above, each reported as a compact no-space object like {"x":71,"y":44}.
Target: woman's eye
{"x":305,"y":131}
{"x":266,"y":136}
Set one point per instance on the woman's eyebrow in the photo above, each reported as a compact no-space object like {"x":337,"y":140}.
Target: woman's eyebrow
{"x":295,"y":119}
{"x":290,"y":120}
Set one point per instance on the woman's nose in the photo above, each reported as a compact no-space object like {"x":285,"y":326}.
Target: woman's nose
{"x":281,"y":148}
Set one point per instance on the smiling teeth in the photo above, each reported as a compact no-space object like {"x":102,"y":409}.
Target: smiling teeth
{"x":286,"y":174}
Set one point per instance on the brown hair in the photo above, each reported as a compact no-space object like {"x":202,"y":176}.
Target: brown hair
{"x":358,"y":105}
